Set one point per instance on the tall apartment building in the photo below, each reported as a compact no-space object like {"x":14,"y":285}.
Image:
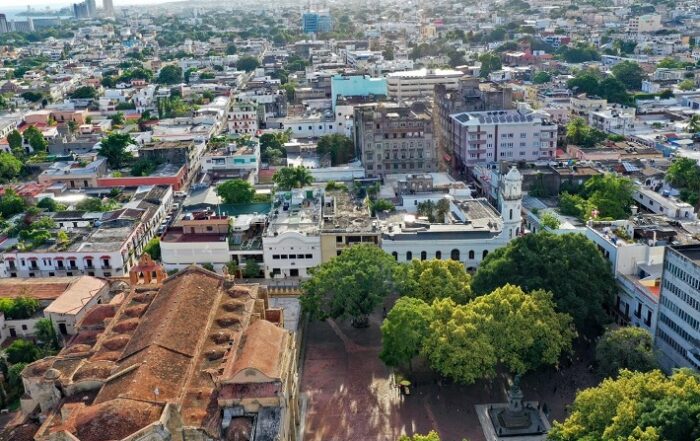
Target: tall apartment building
{"x":420,"y":83}
{"x":503,"y":135}
{"x":317,"y":22}
{"x":395,"y":139}
{"x":108,"y":7}
{"x":678,"y":329}
{"x":469,"y":95}
{"x":4,"y":27}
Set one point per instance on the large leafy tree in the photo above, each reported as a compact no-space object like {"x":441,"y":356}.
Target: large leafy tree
{"x":170,"y":74}
{"x":636,"y":406}
{"x":46,"y":334}
{"x":404,"y":330}
{"x":625,"y":348}
{"x":614,"y":91}
{"x":580,"y":133}
{"x":10,"y":167}
{"x":349,"y":285}
{"x":568,"y":265}
{"x":11,"y":203}
{"x":292,"y":177}
{"x":22,"y":351}
{"x":490,"y":62}
{"x":15,"y":140}
{"x":434,"y":279}
{"x":236,"y":191}
{"x":247,"y":63}
{"x":456,"y":345}
{"x":84,"y":92}
{"x":340,"y":148}
{"x":113,"y":148}
{"x":610,"y":194}
{"x":36,"y":139}
{"x":629,"y":73}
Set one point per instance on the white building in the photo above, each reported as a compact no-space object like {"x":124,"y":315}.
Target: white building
{"x":503,"y":135}
{"x":471,"y":230}
{"x":419,"y":83}
{"x":233,"y":161}
{"x":678,"y":329}
{"x":243,"y":118}
{"x":618,"y":120}
{"x":660,"y":203}
{"x":292,"y":242}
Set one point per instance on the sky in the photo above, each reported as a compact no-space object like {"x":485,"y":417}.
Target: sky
{"x":11,"y":4}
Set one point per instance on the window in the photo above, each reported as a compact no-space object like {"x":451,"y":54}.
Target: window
{"x":485,"y":253}
{"x":454,"y":254}
{"x":409,"y":255}
{"x":423,"y":255}
{"x":396,"y":255}
{"x":276,"y":256}
{"x":309,"y":256}
{"x":438,"y":255}
{"x":471,"y":254}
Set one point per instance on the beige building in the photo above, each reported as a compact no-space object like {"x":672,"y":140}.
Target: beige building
{"x":193,"y":357}
{"x":420,"y":83}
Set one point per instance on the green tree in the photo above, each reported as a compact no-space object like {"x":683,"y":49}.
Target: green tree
{"x":51,"y":205}
{"x":490,"y":62}
{"x":94,"y":205}
{"x":84,"y":92}
{"x":687,"y":85}
{"x":143,"y":167}
{"x":350,"y":285}
{"x":581,"y":134}
{"x":636,"y":406}
{"x":11,"y":204}
{"x":36,"y":139}
{"x":236,"y":191}
{"x":584,"y":82}
{"x":252,"y":269}
{"x":170,"y":74}
{"x":538,"y":261}
{"x":625,"y":348}
{"x":22,"y":351}
{"x":340,"y":148}
{"x":231,"y":49}
{"x":404,"y":330}
{"x":118,"y":119}
{"x":292,"y":177}
{"x":32,"y":97}
{"x":153,"y":248}
{"x":14,"y":139}
{"x":614,"y":91}
{"x":611,"y":195}
{"x":429,"y":280}
{"x":684,"y":173}
{"x":247,"y":63}
{"x":542,"y":77}
{"x":113,"y":148}
{"x":46,"y":334}
{"x":550,"y":221}
{"x":629,"y":73}
{"x":10,"y":167}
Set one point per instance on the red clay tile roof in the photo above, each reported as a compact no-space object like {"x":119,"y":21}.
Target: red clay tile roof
{"x":261,"y":349}
{"x":115,"y":419}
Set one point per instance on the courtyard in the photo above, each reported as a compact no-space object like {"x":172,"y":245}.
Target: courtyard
{"x":348,"y":394}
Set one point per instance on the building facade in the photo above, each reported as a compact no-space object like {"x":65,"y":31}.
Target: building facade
{"x":395,"y":139}
{"x":678,"y":328}
{"x":506,"y":135}
{"x":420,"y":83}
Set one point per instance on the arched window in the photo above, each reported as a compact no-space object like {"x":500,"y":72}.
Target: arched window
{"x":471,"y":254}
{"x":396,"y":255}
{"x":511,"y":214}
{"x":454,"y":255}
{"x":409,"y":256}
{"x":423,"y":255}
{"x":438,"y":255}
{"x":485,"y":253}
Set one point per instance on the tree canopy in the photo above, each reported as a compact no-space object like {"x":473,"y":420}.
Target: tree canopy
{"x":84,"y":92}
{"x":581,"y":134}
{"x":568,"y":265}
{"x":113,"y":148}
{"x":236,"y":191}
{"x":430,"y":436}
{"x":508,"y":327}
{"x":292,"y":177}
{"x":635,"y":407}
{"x":404,"y":330}
{"x":247,"y":63}
{"x":340,"y":148}
{"x":170,"y":74}
{"x":36,"y":139}
{"x":490,"y":62}
{"x":629,"y":73}
{"x":625,"y":348}
{"x":22,"y":351}
{"x":10,"y":167}
{"x":350,"y":285}
{"x":684,"y":174}
{"x":429,"y":280}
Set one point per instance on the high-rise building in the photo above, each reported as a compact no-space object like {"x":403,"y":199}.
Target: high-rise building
{"x":469,"y":95}
{"x":395,"y":139}
{"x":91,"y":7}
{"x":317,"y":22}
{"x":502,"y":135}
{"x":4,"y":28}
{"x":108,"y":7}
{"x":80,"y":10}
{"x":677,"y":330}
